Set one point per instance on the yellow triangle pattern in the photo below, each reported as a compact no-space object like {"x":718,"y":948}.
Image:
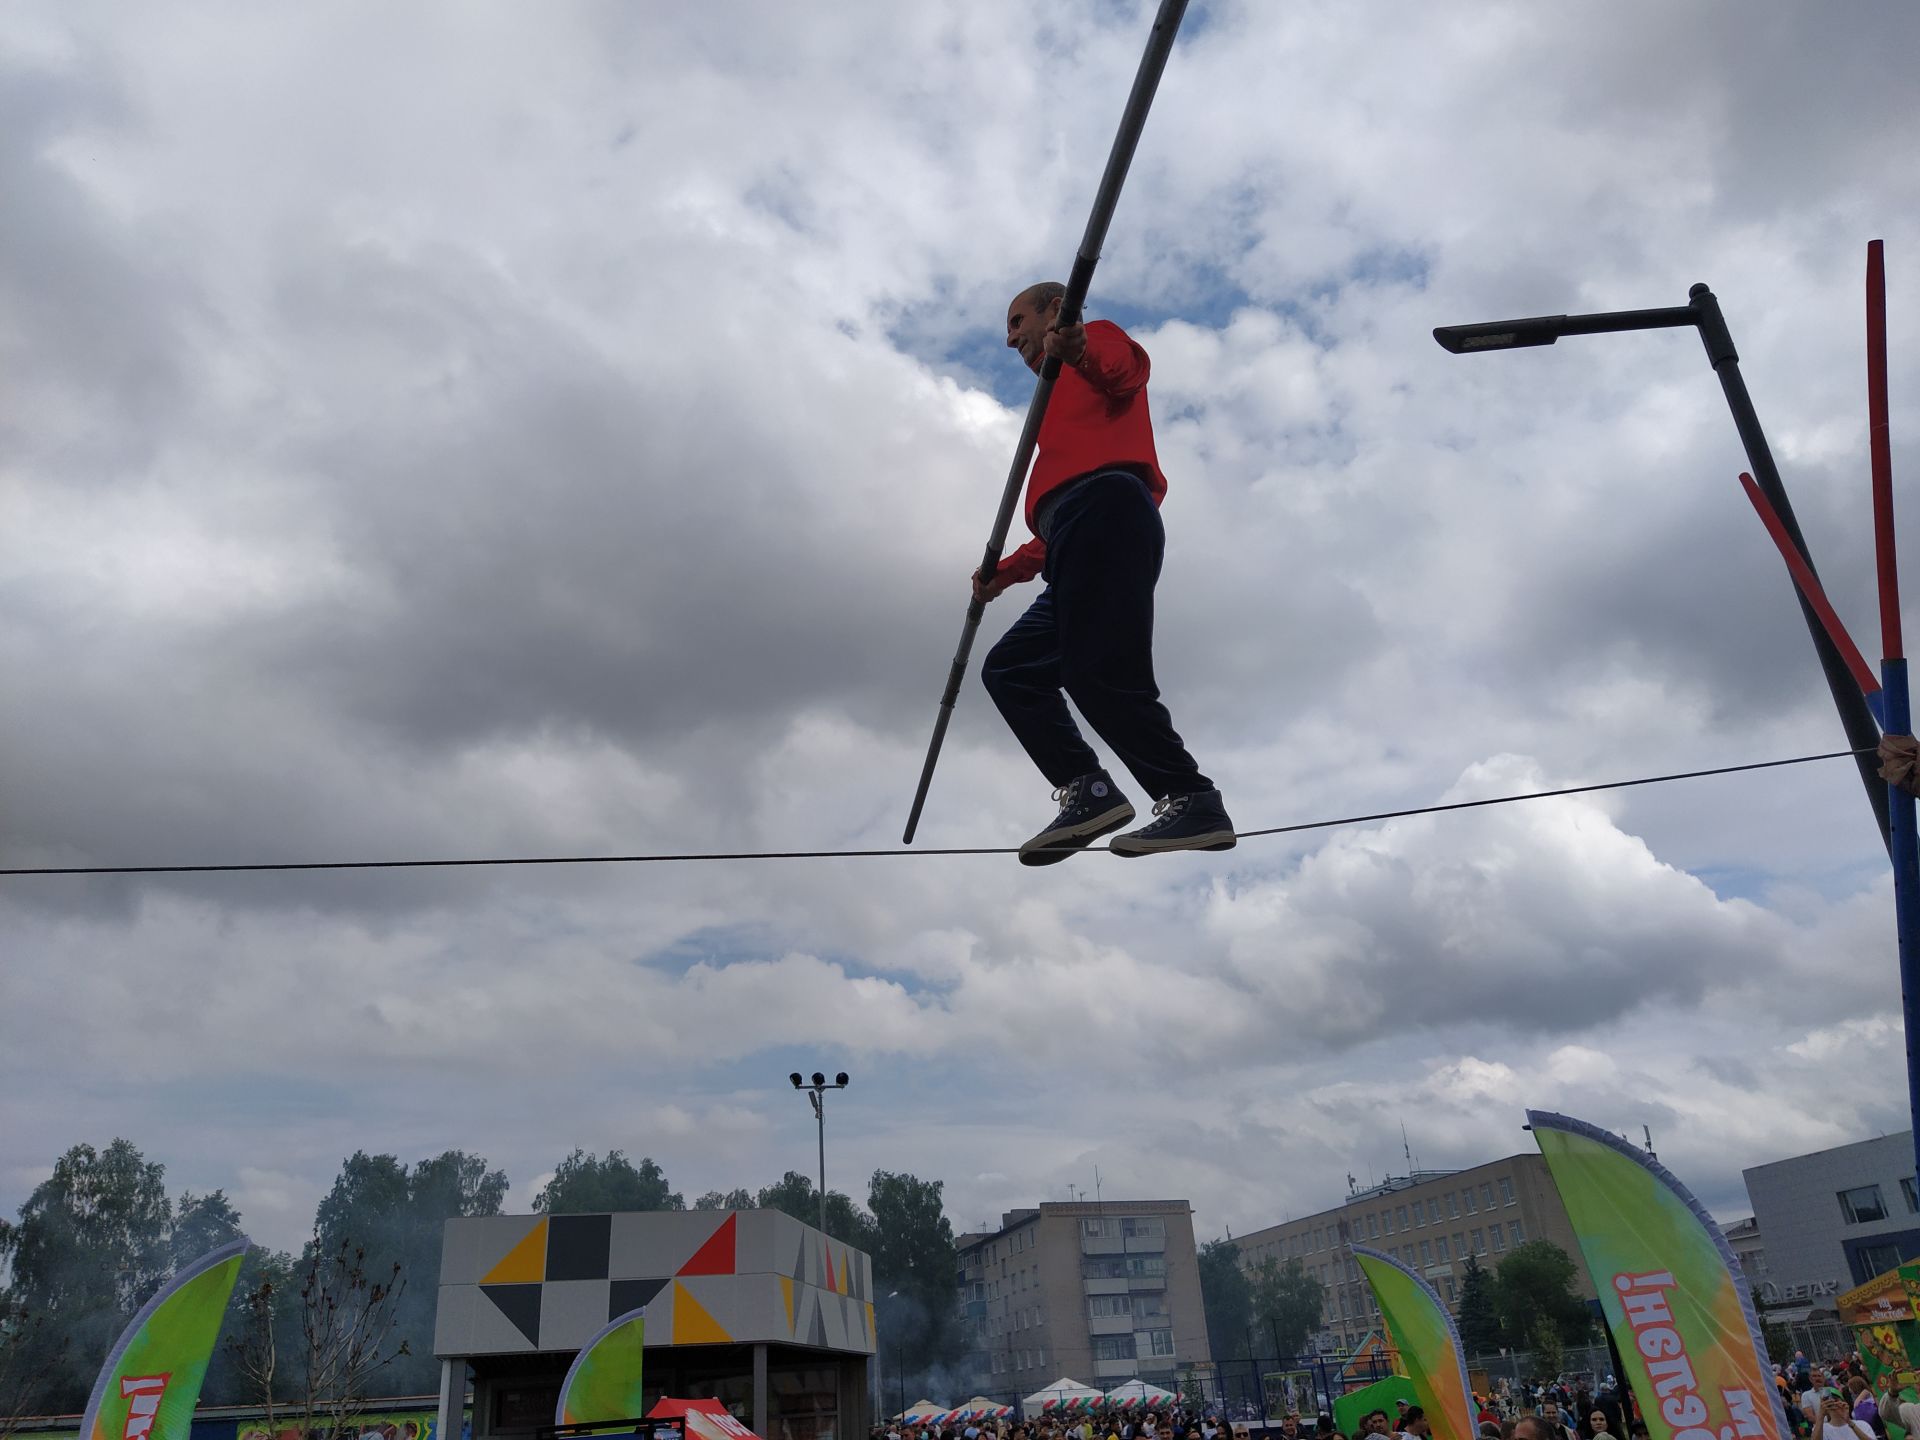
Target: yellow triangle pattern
{"x":786,"y":1294}
{"x":692,"y":1324}
{"x":525,"y":1264}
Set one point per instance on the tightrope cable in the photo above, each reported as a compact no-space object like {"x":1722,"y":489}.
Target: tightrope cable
{"x":711,"y":855}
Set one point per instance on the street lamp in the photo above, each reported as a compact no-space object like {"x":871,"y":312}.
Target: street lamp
{"x":816,"y":1093}
{"x":1703,"y":313}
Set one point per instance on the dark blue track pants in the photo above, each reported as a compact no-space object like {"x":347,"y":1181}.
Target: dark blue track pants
{"x":1091,"y":634}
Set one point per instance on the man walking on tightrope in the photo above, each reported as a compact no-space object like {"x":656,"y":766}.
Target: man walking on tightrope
{"x":1092,"y":499}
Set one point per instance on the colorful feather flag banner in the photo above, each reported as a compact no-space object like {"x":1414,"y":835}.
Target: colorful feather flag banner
{"x":151,"y":1381}
{"x":603,"y":1382}
{"x":1669,"y":1286}
{"x":1429,"y":1344}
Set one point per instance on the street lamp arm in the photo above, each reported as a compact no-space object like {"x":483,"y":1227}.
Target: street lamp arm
{"x":1545,"y":329}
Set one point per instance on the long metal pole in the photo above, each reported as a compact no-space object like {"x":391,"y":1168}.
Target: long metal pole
{"x":820,"y":1113}
{"x":1133,"y":120}
{"x":1893,"y":675}
{"x":1863,"y":733}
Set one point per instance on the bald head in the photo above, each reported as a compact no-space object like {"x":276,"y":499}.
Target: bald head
{"x":1028,"y":317}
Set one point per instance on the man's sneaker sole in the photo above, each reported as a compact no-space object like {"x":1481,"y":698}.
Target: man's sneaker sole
{"x":1050,"y":847}
{"x":1128,"y":846}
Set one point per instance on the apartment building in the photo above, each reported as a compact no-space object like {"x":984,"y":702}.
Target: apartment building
{"x":1432,"y":1220}
{"x":1101,"y":1292}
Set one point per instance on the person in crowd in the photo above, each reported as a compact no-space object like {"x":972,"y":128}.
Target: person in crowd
{"x":1594,"y":1425}
{"x":1375,"y":1423}
{"x":1864,"y":1408}
{"x":1414,"y":1424}
{"x":1550,"y":1417}
{"x":1290,"y":1425}
{"x":1836,"y":1420}
{"x":1533,"y":1427}
{"x":1811,"y":1387}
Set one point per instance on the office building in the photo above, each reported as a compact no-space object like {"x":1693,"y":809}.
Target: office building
{"x":1833,"y":1220}
{"x":1432,"y":1220}
{"x":1100,"y":1292}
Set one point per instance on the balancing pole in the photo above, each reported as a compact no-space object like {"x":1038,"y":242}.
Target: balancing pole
{"x":1905,"y":845}
{"x":1134,"y":120}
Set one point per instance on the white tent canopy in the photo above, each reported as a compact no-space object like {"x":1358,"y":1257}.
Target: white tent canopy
{"x":921,"y":1410}
{"x":1061,"y":1392}
{"x":1140,"y":1393}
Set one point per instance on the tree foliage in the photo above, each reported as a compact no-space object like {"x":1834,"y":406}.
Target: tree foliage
{"x":727,"y":1200}
{"x":1538,"y":1308}
{"x":913,"y":1264}
{"x":92,"y":1245}
{"x":584,"y":1184}
{"x":1480,"y":1332}
{"x":1227,"y":1298}
{"x":1286,"y":1304}
{"x":794,"y":1194}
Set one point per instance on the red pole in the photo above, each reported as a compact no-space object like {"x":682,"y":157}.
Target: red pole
{"x":1880,"y":451}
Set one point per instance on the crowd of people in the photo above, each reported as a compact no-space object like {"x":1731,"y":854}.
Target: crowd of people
{"x":1835,"y":1401}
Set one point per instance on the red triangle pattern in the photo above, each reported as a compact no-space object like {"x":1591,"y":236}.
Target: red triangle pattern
{"x":716,"y":1255}
{"x":831,"y":1284}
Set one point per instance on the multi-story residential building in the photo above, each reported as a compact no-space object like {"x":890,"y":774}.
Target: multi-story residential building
{"x":1432,"y":1220}
{"x":1833,"y":1219}
{"x":1101,"y":1292}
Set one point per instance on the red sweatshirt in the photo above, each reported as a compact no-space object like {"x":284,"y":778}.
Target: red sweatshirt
{"x":1096,"y":420}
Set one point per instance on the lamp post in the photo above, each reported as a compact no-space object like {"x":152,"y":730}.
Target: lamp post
{"x":816,"y":1093}
{"x":1703,"y":313}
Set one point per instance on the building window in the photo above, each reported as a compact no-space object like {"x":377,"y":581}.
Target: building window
{"x":1506,"y":1192}
{"x":1863,"y":1205}
{"x":1093,"y":1268}
{"x":1907,"y":1192}
{"x":1138,"y":1265}
{"x":1486,"y":1195}
{"x":1453,"y":1206}
{"x":1353,"y":1270}
{"x":1402,"y":1212}
{"x":1872,"y":1260}
{"x":1499,"y":1240}
{"x":1440,"y":1248}
{"x":1373,"y":1221}
{"x":1426,"y":1252}
{"x":1139,"y":1225}
{"x":1386,"y":1222}
{"x":1433,"y":1211}
{"x":1113,"y":1347}
{"x":1159,"y":1342}
{"x":1479,"y":1238}
{"x":1473,"y":1206}
{"x":1519,"y":1235}
{"x":1419,"y":1215}
{"x":1099,"y":1306}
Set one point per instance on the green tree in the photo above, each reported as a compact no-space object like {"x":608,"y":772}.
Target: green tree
{"x":585,"y":1184}
{"x":1538,"y":1307}
{"x":913,"y":1264}
{"x":91,"y":1246}
{"x":395,"y":1214}
{"x":1479,"y":1310}
{"x":794,"y":1195}
{"x":730,"y":1200}
{"x":201,"y":1223}
{"x":1286,"y":1304}
{"x":1227,"y":1299}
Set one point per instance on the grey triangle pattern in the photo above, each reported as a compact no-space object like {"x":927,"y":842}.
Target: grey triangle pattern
{"x":817,"y":1328}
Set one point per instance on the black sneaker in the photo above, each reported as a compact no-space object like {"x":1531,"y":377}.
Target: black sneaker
{"x":1090,"y":807}
{"x":1186,"y":822}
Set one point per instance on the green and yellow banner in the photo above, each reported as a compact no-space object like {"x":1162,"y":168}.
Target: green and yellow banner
{"x":151,"y":1381}
{"x":1429,"y":1343}
{"x":604,"y":1380}
{"x":1670,"y":1288}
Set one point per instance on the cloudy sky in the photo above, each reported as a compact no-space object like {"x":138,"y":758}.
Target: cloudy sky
{"x":489,"y":429}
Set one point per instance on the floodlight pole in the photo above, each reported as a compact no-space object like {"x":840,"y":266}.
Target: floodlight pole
{"x":1703,"y":313}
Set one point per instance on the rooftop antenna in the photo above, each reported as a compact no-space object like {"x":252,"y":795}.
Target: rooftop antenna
{"x":1407,"y":1148}
{"x":1096,"y":1185}
{"x":1649,"y":1134}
